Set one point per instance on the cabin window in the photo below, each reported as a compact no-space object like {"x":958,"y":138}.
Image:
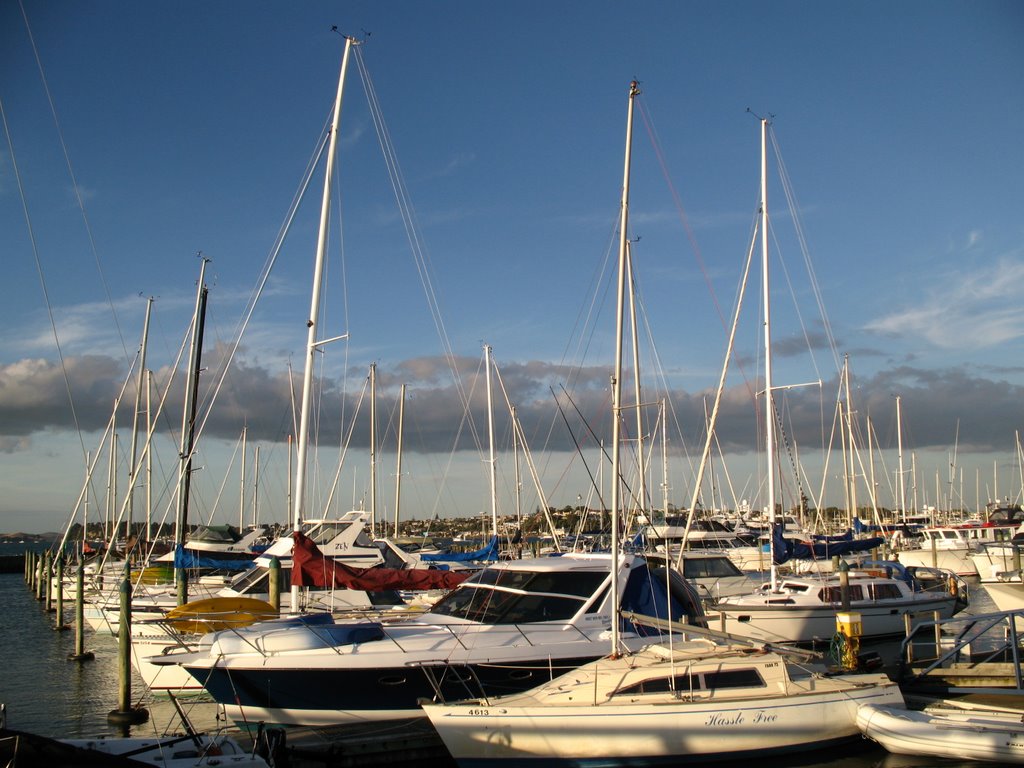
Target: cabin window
{"x":835,"y":594}
{"x":789,"y":587}
{"x":733,"y":678}
{"x":886,"y":592}
{"x":707,"y":681}
{"x":661,"y":685}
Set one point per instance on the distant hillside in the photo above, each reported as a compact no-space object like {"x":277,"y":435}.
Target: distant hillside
{"x":24,"y":538}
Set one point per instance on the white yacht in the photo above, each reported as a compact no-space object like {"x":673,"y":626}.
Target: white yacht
{"x":509,"y":627}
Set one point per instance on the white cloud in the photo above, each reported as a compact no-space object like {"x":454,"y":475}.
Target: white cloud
{"x":977,"y":308}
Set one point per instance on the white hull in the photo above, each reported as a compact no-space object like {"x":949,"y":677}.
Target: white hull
{"x":798,"y":624}
{"x":586,"y":718}
{"x":956,"y":560}
{"x":994,"y":560}
{"x":1007,"y":595}
{"x":174,"y":751}
{"x":162,"y":679}
{"x":985,"y":737}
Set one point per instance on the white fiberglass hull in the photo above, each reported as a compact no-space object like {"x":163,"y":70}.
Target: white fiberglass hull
{"x":198,"y":751}
{"x":789,"y":622}
{"x":956,"y":560}
{"x":633,"y":734}
{"x":970,"y":736}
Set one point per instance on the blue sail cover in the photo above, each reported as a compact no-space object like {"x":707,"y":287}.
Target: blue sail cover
{"x":784,"y":549}
{"x":187,"y":558}
{"x":490,"y":552}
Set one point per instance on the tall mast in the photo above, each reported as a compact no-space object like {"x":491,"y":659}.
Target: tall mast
{"x":664,"y":456}
{"x":241,"y":487}
{"x":899,"y":453}
{"x":298,"y":493}
{"x":373,"y":451}
{"x":256,"y":488}
{"x":519,"y":480}
{"x":109,"y":532}
{"x":634,"y":89}
{"x":398,"y":471}
{"x":188,"y":423}
{"x":149,"y":460}
{"x":493,"y":472}
{"x":851,"y":509}
{"x":132,"y":470}
{"x":641,"y":463}
{"x":769,"y":411}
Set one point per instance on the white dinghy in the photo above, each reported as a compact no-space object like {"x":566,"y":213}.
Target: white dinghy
{"x":986,"y":736}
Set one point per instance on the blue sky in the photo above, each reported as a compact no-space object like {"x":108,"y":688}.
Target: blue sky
{"x":188,"y":126}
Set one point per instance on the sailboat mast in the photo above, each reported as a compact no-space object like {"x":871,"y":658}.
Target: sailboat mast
{"x":149,"y":462}
{"x":641,"y":462}
{"x":398,"y":469}
{"x":634,"y":89}
{"x":373,"y":452}
{"x":851,"y":509}
{"x":769,"y":410}
{"x":493,"y":472}
{"x":899,"y":451}
{"x":132,"y":469}
{"x":298,"y":494}
{"x":241,"y":487}
{"x":188,"y":424}
{"x":256,"y":487}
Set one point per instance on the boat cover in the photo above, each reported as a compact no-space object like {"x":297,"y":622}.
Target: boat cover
{"x":784,"y":549}
{"x":311,"y":569}
{"x":187,"y":558}
{"x":490,"y":552}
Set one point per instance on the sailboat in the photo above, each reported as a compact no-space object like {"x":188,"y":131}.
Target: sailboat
{"x":803,"y":609}
{"x":508,"y":627}
{"x":693,"y":696}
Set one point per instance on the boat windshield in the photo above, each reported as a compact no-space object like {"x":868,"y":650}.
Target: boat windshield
{"x":496,"y":596}
{"x":326,"y":532}
{"x":709,"y":567}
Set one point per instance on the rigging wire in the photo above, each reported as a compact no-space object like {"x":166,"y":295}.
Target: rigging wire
{"x":42,"y":280}
{"x":74,"y":180}
{"x":421,"y":257}
{"x":794,"y":207}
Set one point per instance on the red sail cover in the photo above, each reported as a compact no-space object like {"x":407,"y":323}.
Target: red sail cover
{"x":311,"y":569}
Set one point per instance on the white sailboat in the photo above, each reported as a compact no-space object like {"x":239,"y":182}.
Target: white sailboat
{"x":508,"y":627}
{"x":689,"y":697}
{"x":803,"y":610}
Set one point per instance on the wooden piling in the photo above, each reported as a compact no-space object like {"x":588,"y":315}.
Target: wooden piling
{"x":125,"y":714}
{"x":59,"y":625}
{"x":275,"y":584}
{"x":48,"y":584}
{"x":80,"y":653}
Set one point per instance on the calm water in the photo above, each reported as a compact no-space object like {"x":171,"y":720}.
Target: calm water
{"x":45,"y":693}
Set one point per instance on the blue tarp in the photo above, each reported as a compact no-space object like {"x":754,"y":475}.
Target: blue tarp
{"x":786,"y":549}
{"x":187,"y":558}
{"x":490,"y":552}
